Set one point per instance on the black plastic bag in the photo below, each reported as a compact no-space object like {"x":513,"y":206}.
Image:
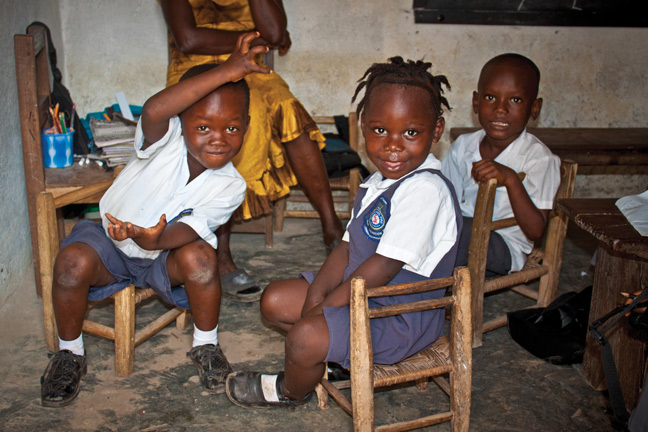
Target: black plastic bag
{"x":555,"y":333}
{"x":61,"y":95}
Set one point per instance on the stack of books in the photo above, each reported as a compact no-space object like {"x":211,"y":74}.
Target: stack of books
{"x":115,"y":139}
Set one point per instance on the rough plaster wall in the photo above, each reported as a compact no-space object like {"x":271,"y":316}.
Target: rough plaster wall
{"x":15,"y":254}
{"x":591,"y":77}
{"x":117,"y":45}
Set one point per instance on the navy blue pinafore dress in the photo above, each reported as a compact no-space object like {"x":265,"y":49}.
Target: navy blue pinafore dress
{"x":398,"y":337}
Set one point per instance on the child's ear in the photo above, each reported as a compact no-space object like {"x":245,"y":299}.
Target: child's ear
{"x":438,"y":129}
{"x":535,"y":108}
{"x":475,"y":102}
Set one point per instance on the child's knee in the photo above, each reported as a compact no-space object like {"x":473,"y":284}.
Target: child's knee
{"x":307,"y":340}
{"x":198,"y":263}
{"x":270,"y":300}
{"x":74,"y":266}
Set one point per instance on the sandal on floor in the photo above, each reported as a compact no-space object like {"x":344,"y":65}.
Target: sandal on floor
{"x":239,"y":285}
{"x":212,"y":366}
{"x":246,"y":390}
{"x":61,"y":379}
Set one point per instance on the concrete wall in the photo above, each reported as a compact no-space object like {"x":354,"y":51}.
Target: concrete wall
{"x":592,"y":77}
{"x":15,"y":245}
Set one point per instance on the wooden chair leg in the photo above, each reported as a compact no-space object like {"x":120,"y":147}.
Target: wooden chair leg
{"x":183,"y":321}
{"x":362,"y":391}
{"x":268,"y":231}
{"x":553,"y":257}
{"x":279,"y":209}
{"x":48,"y":248}
{"x":124,"y":331}
{"x":461,"y":339}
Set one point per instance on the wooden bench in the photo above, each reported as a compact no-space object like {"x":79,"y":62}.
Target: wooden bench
{"x":595,"y":150}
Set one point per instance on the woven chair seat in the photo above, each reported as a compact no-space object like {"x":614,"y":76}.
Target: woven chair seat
{"x":433,"y":361}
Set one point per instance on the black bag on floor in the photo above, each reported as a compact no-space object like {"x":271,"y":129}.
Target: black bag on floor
{"x":555,"y":333}
{"x":61,"y":95}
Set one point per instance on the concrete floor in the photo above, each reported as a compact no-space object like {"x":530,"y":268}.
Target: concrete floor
{"x":512,"y":390}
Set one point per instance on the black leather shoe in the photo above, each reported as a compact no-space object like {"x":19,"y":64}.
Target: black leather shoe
{"x":337,"y":372}
{"x":60,"y":382}
{"x":245,"y":390}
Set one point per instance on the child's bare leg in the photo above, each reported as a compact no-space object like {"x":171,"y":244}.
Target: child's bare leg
{"x":195,"y":265}
{"x":307,"y":163}
{"x":76,"y":269}
{"x":282,"y":302}
{"x":306,"y":348}
{"x":225,"y":261}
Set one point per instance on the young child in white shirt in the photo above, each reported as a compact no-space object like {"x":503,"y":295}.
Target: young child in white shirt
{"x":185,"y":141}
{"x":404,"y":228}
{"x":505,"y":100}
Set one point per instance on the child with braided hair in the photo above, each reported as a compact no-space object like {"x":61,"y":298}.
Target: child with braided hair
{"x":404,"y":228}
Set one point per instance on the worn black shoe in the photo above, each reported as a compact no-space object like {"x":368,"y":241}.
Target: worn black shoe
{"x":245,"y":389}
{"x":212,"y":366}
{"x":337,"y":373}
{"x":60,"y":381}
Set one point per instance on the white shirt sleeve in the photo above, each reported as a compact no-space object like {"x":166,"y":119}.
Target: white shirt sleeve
{"x":450,"y":169}
{"x":542,"y":179}
{"x":174,"y":130}
{"x":422,"y":225}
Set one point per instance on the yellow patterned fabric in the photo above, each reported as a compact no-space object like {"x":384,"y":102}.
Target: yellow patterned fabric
{"x":276,"y":116}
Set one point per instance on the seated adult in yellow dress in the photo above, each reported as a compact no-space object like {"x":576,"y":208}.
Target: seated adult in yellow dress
{"x":282,"y":144}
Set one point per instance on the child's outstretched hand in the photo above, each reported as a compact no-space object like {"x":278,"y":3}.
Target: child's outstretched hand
{"x":241,"y":62}
{"x":487,"y":169}
{"x":146,"y":238}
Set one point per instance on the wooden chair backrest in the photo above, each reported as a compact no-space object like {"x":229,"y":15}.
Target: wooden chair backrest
{"x":459,"y":300}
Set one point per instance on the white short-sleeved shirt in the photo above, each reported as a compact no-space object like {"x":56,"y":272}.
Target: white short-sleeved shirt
{"x":155,"y":183}
{"x":526,"y":154}
{"x":422,"y":227}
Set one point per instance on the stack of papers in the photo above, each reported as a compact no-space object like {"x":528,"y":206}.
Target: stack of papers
{"x":115,"y":139}
{"x":635,"y":209}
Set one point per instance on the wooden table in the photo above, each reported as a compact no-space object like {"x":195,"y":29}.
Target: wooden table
{"x":592,"y":147}
{"x":621,"y":266}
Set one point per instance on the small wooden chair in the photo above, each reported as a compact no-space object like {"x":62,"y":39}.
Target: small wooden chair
{"x":349,"y":183}
{"x":123,"y":332}
{"x":449,"y":355}
{"x":544,"y":264}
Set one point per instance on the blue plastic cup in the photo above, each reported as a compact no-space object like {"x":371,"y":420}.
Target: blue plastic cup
{"x":58,"y":149}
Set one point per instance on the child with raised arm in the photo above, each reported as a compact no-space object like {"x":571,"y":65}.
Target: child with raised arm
{"x":505,"y":100}
{"x":185,"y":140}
{"x":405,"y":226}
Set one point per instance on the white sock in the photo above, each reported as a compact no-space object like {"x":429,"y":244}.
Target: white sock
{"x":76,"y":345}
{"x":204,"y":337}
{"x":269,"y":386}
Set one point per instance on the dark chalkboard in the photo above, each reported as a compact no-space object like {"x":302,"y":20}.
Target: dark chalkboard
{"x":597,"y":13}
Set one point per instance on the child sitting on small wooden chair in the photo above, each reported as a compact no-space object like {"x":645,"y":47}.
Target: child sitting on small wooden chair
{"x":405,"y":227}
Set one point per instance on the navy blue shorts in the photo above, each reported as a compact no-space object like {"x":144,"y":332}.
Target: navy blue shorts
{"x":393,"y":338}
{"x":498,"y":261}
{"x":141,"y":272}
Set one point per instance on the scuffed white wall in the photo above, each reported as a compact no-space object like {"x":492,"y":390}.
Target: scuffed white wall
{"x":16,"y":274}
{"x":591,"y":77}
{"x":112,"y":46}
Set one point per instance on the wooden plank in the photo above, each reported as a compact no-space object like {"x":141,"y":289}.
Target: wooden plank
{"x":602,"y":219}
{"x":590,"y":146}
{"x":362,"y":393}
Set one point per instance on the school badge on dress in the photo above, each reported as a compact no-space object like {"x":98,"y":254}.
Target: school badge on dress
{"x":375,"y":220}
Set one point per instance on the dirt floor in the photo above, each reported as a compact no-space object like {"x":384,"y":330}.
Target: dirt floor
{"x":512,"y":390}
